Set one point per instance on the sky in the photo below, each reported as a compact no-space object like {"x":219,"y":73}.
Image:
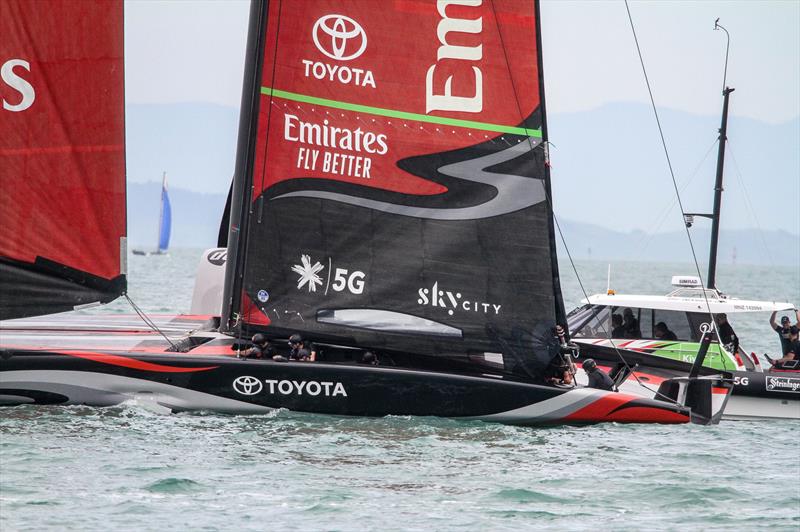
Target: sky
{"x":193,"y":51}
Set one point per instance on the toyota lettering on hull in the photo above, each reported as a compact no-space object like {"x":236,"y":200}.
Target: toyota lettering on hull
{"x":248,"y":385}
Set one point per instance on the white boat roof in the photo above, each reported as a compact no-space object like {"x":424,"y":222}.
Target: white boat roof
{"x":690,"y":300}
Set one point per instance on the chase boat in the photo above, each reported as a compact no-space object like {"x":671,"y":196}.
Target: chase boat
{"x":688,"y":311}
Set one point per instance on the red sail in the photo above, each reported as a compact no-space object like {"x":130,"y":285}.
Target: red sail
{"x":62,"y":155}
{"x":381,"y":77}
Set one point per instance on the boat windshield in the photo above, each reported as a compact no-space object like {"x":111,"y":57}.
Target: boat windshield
{"x":602,"y":321}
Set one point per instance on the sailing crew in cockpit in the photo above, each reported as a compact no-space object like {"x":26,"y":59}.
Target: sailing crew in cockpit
{"x":301,"y":350}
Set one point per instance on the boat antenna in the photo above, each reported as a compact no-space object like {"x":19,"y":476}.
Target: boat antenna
{"x":711,"y":279}
{"x":718,"y":26}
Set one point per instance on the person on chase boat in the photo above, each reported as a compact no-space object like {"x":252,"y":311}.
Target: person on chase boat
{"x":790,"y":359}
{"x":784,"y":329}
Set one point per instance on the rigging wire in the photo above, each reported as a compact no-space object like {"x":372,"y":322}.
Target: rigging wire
{"x":669,"y":162}
{"x":602,"y":325}
{"x":150,"y":323}
{"x":548,"y":199}
{"x":647,"y":238}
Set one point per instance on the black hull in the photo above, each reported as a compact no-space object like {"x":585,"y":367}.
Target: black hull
{"x":181,"y":382}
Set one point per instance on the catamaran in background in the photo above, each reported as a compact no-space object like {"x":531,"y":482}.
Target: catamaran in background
{"x":164,"y":223}
{"x":372,"y":208}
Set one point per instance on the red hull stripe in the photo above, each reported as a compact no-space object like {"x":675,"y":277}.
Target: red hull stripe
{"x":116,"y":360}
{"x":612,"y":408}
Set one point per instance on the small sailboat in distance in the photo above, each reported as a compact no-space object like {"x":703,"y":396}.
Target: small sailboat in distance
{"x":164,"y":223}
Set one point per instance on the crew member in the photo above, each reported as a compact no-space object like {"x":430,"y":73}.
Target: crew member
{"x":792,"y":353}
{"x":662,"y":332}
{"x":630,"y":324}
{"x":369,"y":358}
{"x":301,"y":350}
{"x":597,"y":377}
{"x":561,"y":370}
{"x":783,"y":329}
{"x":261,"y":349}
{"x":724,"y":330}
{"x":617,"y":329}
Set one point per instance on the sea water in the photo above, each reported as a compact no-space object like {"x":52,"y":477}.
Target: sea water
{"x":127,"y":467}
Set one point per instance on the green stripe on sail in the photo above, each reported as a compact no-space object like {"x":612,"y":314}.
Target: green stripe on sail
{"x":379,"y":111}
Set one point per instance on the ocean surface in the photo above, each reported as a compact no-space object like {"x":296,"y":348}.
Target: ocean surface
{"x":128,"y":468}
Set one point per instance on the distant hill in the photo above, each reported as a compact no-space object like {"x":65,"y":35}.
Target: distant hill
{"x":587,"y":241}
{"x":609,"y":169}
{"x":610,"y":179}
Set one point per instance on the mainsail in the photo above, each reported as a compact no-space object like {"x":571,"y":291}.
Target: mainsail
{"x":400,"y":188}
{"x":62,"y":159}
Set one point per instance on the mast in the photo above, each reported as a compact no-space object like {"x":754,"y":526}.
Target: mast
{"x":241,"y":190}
{"x":723,"y":138}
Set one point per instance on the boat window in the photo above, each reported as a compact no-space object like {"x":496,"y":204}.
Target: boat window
{"x":645,"y":322}
{"x":675,"y":321}
{"x":593,"y":322}
{"x":578,"y":317}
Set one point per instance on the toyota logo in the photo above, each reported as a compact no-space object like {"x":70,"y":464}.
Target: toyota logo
{"x":337,"y":36}
{"x":247,"y":385}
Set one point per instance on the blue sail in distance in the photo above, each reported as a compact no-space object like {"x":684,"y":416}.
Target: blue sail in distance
{"x":165,"y":224}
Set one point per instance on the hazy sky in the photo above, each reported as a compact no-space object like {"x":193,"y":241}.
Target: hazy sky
{"x":189,"y":51}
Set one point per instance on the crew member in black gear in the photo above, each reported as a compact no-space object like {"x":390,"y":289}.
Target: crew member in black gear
{"x":261,"y":349}
{"x":560,"y":371}
{"x":617,"y":329}
{"x":724,"y":330}
{"x":630,"y":325}
{"x":597,"y":377}
{"x":662,"y":332}
{"x":301,"y":350}
{"x":369,"y":358}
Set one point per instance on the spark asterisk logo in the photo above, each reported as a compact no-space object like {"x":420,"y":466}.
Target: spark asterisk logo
{"x":308,"y":273}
